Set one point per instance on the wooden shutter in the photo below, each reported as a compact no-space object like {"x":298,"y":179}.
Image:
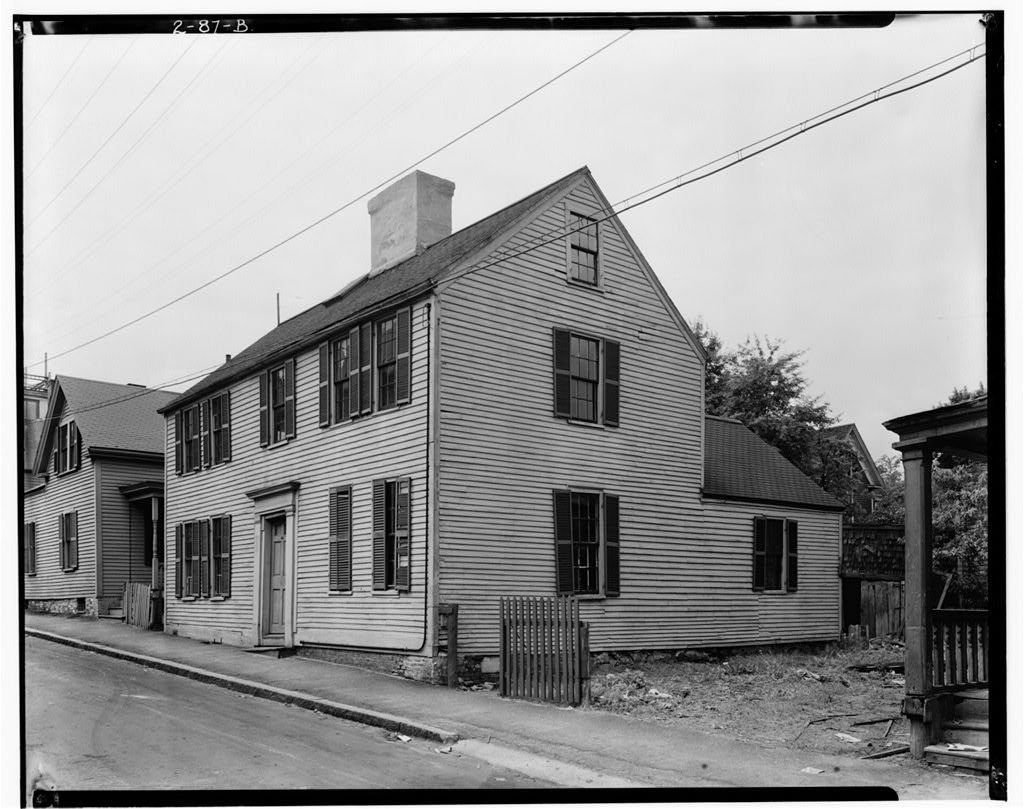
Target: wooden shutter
{"x":366,"y":368}
{"x":611,"y":544}
{"x":73,"y":544}
{"x":204,"y":429}
{"x":324,"y":386}
{"x":177,"y":560}
{"x":225,"y":426}
{"x":379,"y":556}
{"x":62,"y":547}
{"x":353,"y":372}
{"x":177,"y":443}
{"x":403,"y":364}
{"x":611,"y":383}
{"x":791,"y":554}
{"x":563,"y":542}
{"x":75,"y":448}
{"x":30,"y":549}
{"x":289,"y":399}
{"x":561,"y":343}
{"x":340,"y":573}
{"x":403,"y":545}
{"x":204,"y":558}
{"x":224,"y":585}
{"x":760,"y":531}
{"x":264,"y":409}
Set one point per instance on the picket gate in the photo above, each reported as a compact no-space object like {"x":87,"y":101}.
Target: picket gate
{"x":545,"y":650}
{"x":138,"y":606}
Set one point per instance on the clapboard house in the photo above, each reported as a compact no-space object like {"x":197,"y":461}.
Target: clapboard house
{"x":93,"y":518}
{"x":515,"y":408}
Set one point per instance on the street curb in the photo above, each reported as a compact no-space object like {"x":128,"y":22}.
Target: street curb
{"x":353,"y":713}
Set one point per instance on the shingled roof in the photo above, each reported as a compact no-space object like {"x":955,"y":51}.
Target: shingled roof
{"x":112,"y":416}
{"x":407,"y":279}
{"x":738,"y":465}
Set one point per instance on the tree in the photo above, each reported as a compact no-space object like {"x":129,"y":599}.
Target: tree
{"x":889,"y":504}
{"x":762,"y":385}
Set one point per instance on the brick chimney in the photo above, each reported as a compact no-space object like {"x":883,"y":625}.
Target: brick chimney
{"x":407,"y":217}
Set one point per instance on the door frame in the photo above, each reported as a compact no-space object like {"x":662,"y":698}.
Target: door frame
{"x":270,"y":503}
{"x":266,"y":637}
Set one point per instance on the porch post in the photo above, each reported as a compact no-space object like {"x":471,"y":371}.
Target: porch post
{"x":917,"y":475}
{"x":154,"y":506}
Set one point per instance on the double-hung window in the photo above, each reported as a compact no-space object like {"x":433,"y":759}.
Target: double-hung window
{"x":586,"y":543}
{"x":775,"y":555}
{"x":68,"y":533}
{"x":202,"y":558}
{"x":190,"y":433}
{"x":586,"y":378}
{"x":366,"y":369}
{"x":202,"y":434}
{"x":220,"y":429}
{"x":67,"y":453}
{"x":583,"y":249}
{"x":277,"y":404}
{"x":220,"y":556}
{"x":391,"y":535}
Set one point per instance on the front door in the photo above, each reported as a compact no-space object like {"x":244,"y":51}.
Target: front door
{"x":274,"y":592}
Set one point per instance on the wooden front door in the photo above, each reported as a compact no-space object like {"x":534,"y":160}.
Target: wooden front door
{"x":275,"y":590}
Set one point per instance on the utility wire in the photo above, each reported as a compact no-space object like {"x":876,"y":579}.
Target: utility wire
{"x":805,"y":126}
{"x":102,"y":147}
{"x":60,"y":81}
{"x":82,"y":109}
{"x":336,"y":211}
{"x":197,"y":158}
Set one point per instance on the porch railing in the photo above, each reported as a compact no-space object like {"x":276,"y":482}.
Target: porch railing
{"x":960,"y":642}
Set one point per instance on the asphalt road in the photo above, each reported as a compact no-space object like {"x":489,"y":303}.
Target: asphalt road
{"x":93,"y":722}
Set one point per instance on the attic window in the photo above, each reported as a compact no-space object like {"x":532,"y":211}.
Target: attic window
{"x":583,"y":249}
{"x":67,"y":453}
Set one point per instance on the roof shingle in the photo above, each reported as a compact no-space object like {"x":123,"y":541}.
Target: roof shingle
{"x":738,"y":465}
{"x":112,"y":416}
{"x":411,"y":276}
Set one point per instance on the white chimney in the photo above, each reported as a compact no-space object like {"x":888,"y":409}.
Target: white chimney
{"x":407,"y":217}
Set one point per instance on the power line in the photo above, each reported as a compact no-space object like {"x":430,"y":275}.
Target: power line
{"x":338,"y":210}
{"x":179,"y":175}
{"x":561,"y":232}
{"x":102,"y":147}
{"x":60,"y":81}
{"x":81,"y":109}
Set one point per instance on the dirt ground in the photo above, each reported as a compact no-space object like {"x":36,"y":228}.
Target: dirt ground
{"x":797,"y":699}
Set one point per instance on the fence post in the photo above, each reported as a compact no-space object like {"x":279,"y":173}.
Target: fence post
{"x":584,"y":663}
{"x":453,"y":646}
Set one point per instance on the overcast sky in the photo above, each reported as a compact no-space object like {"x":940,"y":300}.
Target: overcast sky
{"x":155,"y":163}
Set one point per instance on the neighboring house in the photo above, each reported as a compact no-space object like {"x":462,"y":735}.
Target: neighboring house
{"x":867,"y":479}
{"x":94,"y":521}
{"x":513,"y":409}
{"x":35,"y":393}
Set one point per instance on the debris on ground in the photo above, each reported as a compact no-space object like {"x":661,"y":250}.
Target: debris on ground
{"x":812,"y":771}
{"x":892,"y":751}
{"x":972,"y":748}
{"x":403,"y":738}
{"x":444,"y":750}
{"x":846,"y":737}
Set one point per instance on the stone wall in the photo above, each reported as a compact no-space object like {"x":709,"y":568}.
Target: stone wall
{"x":64,"y":606}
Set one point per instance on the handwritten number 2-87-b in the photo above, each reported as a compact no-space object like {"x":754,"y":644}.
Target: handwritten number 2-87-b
{"x":236,"y":26}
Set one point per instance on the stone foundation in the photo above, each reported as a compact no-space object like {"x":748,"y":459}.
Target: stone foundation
{"x":413,"y":667}
{"x":64,"y":606}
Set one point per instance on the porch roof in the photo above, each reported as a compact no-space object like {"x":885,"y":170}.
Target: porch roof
{"x":960,"y":428}
{"x":143,"y":490}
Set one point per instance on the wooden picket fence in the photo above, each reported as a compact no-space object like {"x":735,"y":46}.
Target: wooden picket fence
{"x":881,"y":608}
{"x":545,"y":650}
{"x":138,"y":606}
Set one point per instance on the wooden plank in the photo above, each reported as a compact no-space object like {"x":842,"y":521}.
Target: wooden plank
{"x":545,"y":615}
{"x":961,"y":627}
{"x":939,"y":654}
{"x":575,"y":638}
{"x":502,"y":665}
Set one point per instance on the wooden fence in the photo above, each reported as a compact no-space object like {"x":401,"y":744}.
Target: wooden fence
{"x":960,"y":644}
{"x":545,"y":650}
{"x":881,"y":608}
{"x":138,"y":606}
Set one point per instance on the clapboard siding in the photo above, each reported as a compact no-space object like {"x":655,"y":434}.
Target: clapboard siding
{"x":122,"y":542}
{"x":385,"y":444}
{"x":73,"y":491}
{"x":502,"y":451}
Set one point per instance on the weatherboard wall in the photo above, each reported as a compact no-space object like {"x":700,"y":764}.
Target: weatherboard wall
{"x":502,"y":451}
{"x":388,"y":444}
{"x":122,"y":541}
{"x":72,"y":491}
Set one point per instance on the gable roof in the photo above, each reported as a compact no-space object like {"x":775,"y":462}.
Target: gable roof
{"x":410,"y":278}
{"x":739,"y":465}
{"x":850,"y":433}
{"x":108,"y":416}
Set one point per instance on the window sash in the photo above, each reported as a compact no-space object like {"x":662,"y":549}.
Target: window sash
{"x":387,"y":359}
{"x":340,"y":370}
{"x":583,"y":248}
{"x":586,"y":542}
{"x":277,"y":405}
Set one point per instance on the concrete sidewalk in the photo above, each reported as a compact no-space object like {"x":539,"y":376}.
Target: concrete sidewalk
{"x":586,"y":747}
